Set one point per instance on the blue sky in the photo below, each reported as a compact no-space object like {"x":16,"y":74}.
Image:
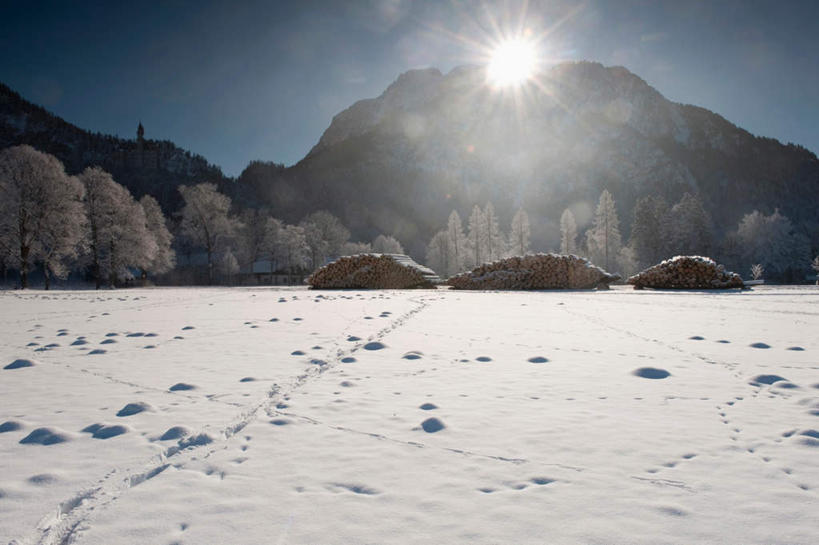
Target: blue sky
{"x":262,"y":80}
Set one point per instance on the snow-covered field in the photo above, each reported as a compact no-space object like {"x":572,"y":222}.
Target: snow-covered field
{"x":273,"y":416}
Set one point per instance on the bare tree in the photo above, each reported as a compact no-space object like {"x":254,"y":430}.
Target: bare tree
{"x":205,"y":219}
{"x":37,"y":196}
{"x":165,"y":258}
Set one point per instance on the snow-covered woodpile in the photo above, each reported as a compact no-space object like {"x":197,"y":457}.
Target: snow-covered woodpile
{"x":534,"y":272}
{"x":373,"y":271}
{"x":686,"y":272}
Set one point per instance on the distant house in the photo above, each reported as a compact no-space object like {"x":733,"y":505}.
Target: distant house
{"x":270,"y":273}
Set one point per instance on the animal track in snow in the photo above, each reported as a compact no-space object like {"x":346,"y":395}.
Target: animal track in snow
{"x":651,"y":373}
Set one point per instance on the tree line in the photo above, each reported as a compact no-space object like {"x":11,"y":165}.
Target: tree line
{"x":91,"y":224}
{"x":658,"y":231}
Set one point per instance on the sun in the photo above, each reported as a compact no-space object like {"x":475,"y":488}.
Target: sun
{"x":512,"y":62}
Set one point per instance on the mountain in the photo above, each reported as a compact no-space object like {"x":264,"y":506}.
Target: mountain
{"x":142,"y":165}
{"x":399,"y":163}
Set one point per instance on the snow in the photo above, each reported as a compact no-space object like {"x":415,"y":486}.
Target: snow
{"x":424,"y":416}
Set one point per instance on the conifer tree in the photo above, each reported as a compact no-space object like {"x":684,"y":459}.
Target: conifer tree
{"x":568,"y":233}
{"x":519,"y":233}
{"x":603,"y":238}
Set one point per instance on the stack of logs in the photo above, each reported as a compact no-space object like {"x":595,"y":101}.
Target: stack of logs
{"x":686,"y":272}
{"x":535,"y":272}
{"x":373,"y":271}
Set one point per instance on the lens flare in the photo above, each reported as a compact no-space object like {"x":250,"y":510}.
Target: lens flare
{"x":512,"y":62}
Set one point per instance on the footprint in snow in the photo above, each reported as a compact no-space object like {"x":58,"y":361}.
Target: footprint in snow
{"x":10,"y":425}
{"x":428,"y":407}
{"x":297,"y":353}
{"x":45,"y":436}
{"x":348,"y":359}
{"x":432,"y":425}
{"x":766,"y":379}
{"x":353,"y":338}
{"x":280,"y":422}
{"x":356,"y":488}
{"x":796,"y":348}
{"x":697,"y":338}
{"x":112,"y":334}
{"x":412,"y":355}
{"x":247,"y":379}
{"x":651,"y":373}
{"x":180,"y":386}
{"x":102,"y":431}
{"x":483,"y":358}
{"x":108,"y":341}
{"x":20,"y":364}
{"x":42,"y":479}
{"x":273,"y":320}
{"x":537,"y":359}
{"x":96,"y":351}
{"x":134,"y":408}
{"x":760,"y":345}
{"x":175,"y":433}
{"x":137,"y":334}
{"x":375,"y":345}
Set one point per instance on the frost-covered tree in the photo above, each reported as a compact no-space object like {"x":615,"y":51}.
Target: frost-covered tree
{"x":227,"y":265}
{"x":355,"y":248}
{"x":648,"y":229}
{"x":256,"y":236}
{"x":603,"y":238}
{"x":688,"y":229}
{"x":438,"y":253}
{"x":36,"y":198}
{"x":815,"y":266}
{"x":63,"y":230}
{"x":519,"y":233}
{"x":494,"y":242}
{"x":118,"y":236}
{"x":165,"y":258}
{"x":477,"y":236}
{"x":293,"y":248}
{"x":772,"y":242}
{"x":205,"y":219}
{"x":387,"y":245}
{"x":568,"y":233}
{"x":456,"y":244}
{"x":325,"y":235}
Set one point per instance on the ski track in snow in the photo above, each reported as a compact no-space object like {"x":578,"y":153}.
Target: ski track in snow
{"x":743,"y":421}
{"x":71,"y":517}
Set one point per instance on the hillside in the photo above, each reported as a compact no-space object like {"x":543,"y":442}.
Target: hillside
{"x":151,"y":166}
{"x":399,"y":163}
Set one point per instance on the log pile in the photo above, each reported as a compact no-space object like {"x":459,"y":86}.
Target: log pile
{"x":373,"y":271}
{"x":686,"y":272}
{"x":534,"y":272}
